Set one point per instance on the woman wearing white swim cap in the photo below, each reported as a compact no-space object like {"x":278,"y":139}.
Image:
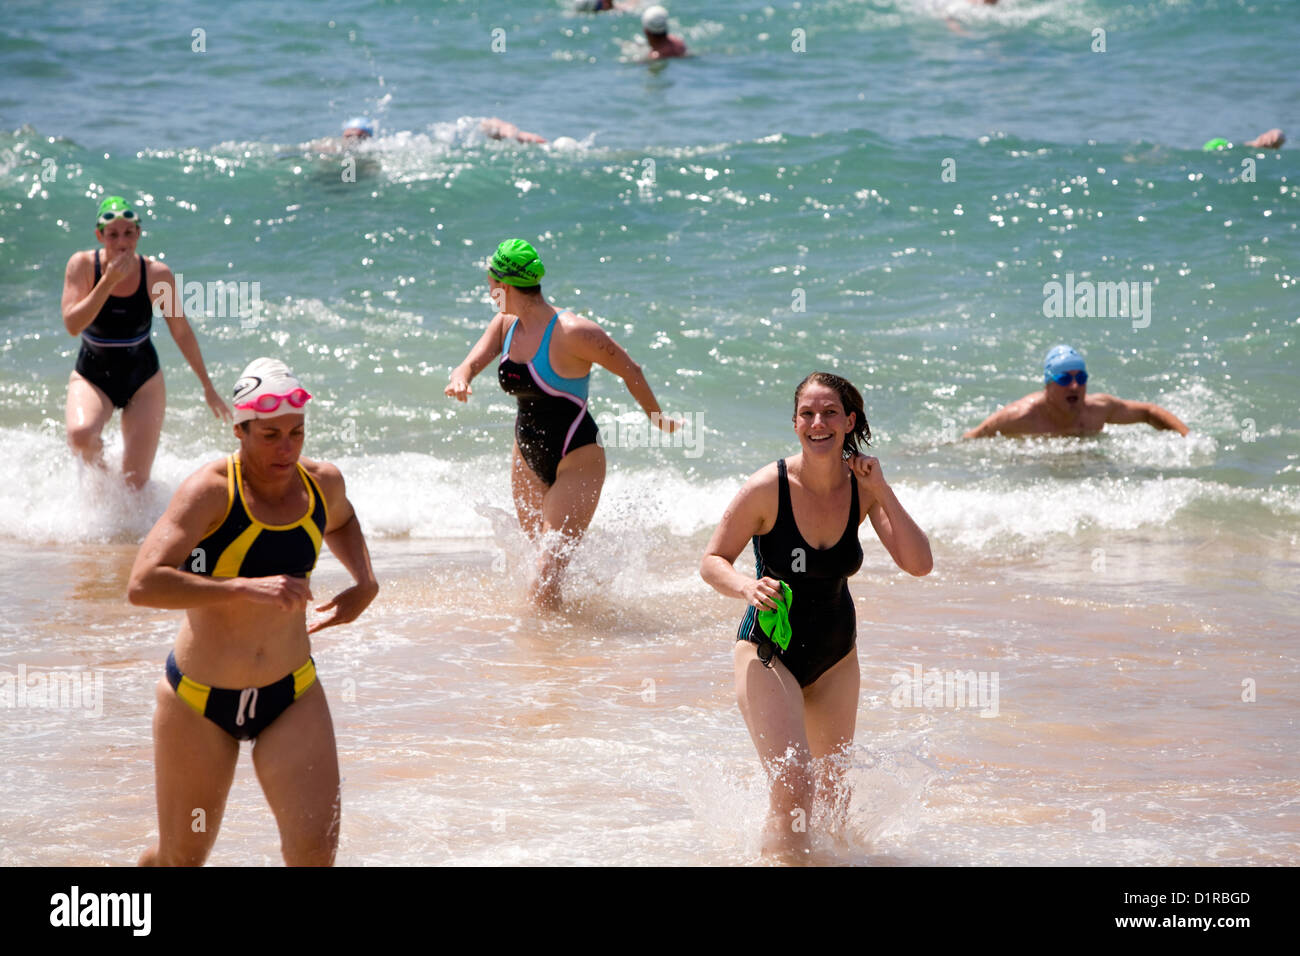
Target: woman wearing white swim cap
{"x":235,"y":549}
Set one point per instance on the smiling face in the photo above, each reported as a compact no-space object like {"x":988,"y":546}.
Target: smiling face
{"x":820,"y":421}
{"x":270,"y":447}
{"x":118,"y":236}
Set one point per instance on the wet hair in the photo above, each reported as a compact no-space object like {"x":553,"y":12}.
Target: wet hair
{"x":534,"y":290}
{"x":850,"y":399}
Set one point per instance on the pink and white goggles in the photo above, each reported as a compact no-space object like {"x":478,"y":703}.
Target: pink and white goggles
{"x":267,"y":403}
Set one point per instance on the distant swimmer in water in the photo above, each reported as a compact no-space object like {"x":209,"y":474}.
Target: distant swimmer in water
{"x":235,"y":549}
{"x":358,"y":129}
{"x":796,"y":661}
{"x":558,"y":465}
{"x":495,"y":128}
{"x":1272,"y":139}
{"x":598,"y":6}
{"x":1064,"y":406}
{"x":663,"y":45}
{"x":109,"y":300}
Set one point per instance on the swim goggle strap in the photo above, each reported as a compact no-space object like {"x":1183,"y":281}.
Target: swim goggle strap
{"x":1064,"y":378}
{"x":268,"y":403}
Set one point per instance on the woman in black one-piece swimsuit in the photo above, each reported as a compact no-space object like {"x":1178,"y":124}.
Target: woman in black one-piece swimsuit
{"x":802,"y":515}
{"x":117,"y":366}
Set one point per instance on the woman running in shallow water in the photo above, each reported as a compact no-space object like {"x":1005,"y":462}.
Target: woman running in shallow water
{"x":802,"y":513}
{"x":108,"y":300}
{"x":235,"y":549}
{"x":558,"y":465}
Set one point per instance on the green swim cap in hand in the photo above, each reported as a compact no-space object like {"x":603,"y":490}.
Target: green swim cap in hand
{"x":776,"y":624}
{"x":516,"y":263}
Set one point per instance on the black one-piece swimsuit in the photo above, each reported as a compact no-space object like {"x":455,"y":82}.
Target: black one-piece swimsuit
{"x":823,"y":622}
{"x":117,"y":354}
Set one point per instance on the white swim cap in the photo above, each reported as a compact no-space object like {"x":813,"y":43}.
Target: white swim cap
{"x":655,"y":20}
{"x":264,"y":388}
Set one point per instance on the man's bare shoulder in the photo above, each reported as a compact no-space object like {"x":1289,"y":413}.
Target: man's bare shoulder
{"x":1024,"y":406}
{"x":1022,"y":416}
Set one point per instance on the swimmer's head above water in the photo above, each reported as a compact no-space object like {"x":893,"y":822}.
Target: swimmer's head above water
{"x":265,"y":388}
{"x":115,"y":207}
{"x":655,"y":21}
{"x":358,"y":128}
{"x":1065,"y":376}
{"x":856,"y":435}
{"x":1061,"y":359}
{"x":517,"y":264}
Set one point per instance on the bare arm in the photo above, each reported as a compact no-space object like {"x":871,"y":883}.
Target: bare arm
{"x":901,"y":536}
{"x":156,"y":578}
{"x":162,"y":291}
{"x":985,"y":429}
{"x":484,"y":351}
{"x":345,"y":538}
{"x":1010,"y":419}
{"x":592,"y":343}
{"x":499,"y":129}
{"x":1121,"y":412}
{"x":1273,"y":139}
{"x":82,"y":296}
{"x":751,"y":512}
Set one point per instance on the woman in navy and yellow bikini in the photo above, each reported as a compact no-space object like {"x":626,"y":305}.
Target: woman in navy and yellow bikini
{"x":235,"y":549}
{"x":802,"y":514}
{"x":558,"y":465}
{"x":108,"y":300}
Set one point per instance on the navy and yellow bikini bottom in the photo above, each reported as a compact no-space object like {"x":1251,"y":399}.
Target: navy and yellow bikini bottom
{"x":241,"y":713}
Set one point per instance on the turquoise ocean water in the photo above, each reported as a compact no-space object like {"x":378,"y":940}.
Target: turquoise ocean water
{"x":881,"y":189}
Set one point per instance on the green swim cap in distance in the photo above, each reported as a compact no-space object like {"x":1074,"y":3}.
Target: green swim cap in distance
{"x":516,"y":263}
{"x":114,"y":207}
{"x":1217,"y":143}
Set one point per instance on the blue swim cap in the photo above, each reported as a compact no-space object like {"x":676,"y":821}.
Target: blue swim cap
{"x":361,"y":123}
{"x":1060,"y":359}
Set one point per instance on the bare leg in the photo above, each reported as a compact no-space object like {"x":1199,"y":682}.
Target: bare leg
{"x":88,"y":411}
{"x":194,"y":765}
{"x":298,"y":764}
{"x":771,"y":702}
{"x":567,"y":509}
{"x":142,"y":421}
{"x":529,"y":490}
{"x":831,"y":716}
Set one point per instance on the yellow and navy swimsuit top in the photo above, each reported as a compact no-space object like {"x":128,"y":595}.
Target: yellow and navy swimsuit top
{"x":243,"y":547}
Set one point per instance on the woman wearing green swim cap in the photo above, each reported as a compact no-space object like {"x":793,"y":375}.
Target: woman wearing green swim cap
{"x":558,"y":464}
{"x":108,"y":300}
